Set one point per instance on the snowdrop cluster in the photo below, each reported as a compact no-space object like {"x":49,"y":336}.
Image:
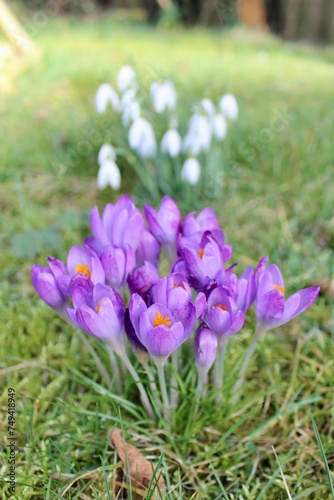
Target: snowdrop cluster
{"x":111,"y":288}
{"x":208,"y":123}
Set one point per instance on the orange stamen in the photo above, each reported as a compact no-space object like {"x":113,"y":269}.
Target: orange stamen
{"x":200,"y":253}
{"x":83,"y":269}
{"x":97,"y":307}
{"x":279,"y":288}
{"x":223,"y":308}
{"x":161,"y":320}
{"x":180,"y":285}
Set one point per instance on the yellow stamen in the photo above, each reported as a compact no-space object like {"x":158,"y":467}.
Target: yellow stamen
{"x":97,"y":307}
{"x":223,"y":308}
{"x":279,"y":288}
{"x":180,"y":285}
{"x":161,"y":320}
{"x":83,"y":269}
{"x":200,"y":253}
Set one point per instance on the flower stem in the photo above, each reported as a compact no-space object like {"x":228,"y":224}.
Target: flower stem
{"x":162,"y":382}
{"x":174,"y":393}
{"x":114,"y":368}
{"x":103,"y":372}
{"x":242,"y":372}
{"x":143,"y":394}
{"x":152,"y":384}
{"x":218,"y":374}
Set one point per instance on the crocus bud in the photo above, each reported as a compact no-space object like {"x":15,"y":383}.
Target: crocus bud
{"x":149,"y":248}
{"x":117,"y":264}
{"x":205,"y":349}
{"x":229,"y":106}
{"x":142,"y":278}
{"x":45,"y":285}
{"x":191,"y":171}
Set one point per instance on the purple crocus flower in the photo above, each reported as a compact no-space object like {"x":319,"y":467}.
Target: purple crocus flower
{"x":142,"y":278}
{"x":138,"y":348}
{"x":149,"y":248}
{"x":82,"y":260}
{"x":157,"y":329}
{"x":117,"y":263}
{"x":45,"y":284}
{"x":205,"y":221}
{"x":205,"y":349}
{"x":165,"y":224}
{"x":223,"y":316}
{"x":99,"y":310}
{"x":119,"y":225}
{"x":204,"y":262}
{"x":272,"y":310}
{"x":174,"y":293}
{"x":246,"y":290}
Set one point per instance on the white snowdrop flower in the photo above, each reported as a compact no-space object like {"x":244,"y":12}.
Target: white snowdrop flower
{"x":198,"y":137}
{"x":191,"y":171}
{"x":131,"y":111}
{"x":171,"y":143}
{"x":219,"y":126}
{"x":208,"y":107}
{"x":129,"y":96}
{"x":106,"y":94}
{"x":163,"y":96}
{"x":126,"y":77}
{"x":108,"y":175}
{"x":229,"y":107}
{"x":106,"y":152}
{"x":141,"y":138}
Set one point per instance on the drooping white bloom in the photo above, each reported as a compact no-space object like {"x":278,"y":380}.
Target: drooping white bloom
{"x":163,"y":96}
{"x":131,"y":112}
{"x":219,"y":126}
{"x":229,"y":106}
{"x":198,"y":137}
{"x":108,"y":175}
{"x":106,"y":94}
{"x":191,"y":171}
{"x":141,"y":138}
{"x":171,"y":143}
{"x":208,"y":107}
{"x":126,"y":78}
{"x":106,"y":152}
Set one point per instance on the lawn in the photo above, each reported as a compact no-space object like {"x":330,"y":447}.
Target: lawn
{"x":276,"y":200}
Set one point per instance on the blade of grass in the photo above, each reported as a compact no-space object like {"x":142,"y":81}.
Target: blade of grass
{"x":323,"y":456}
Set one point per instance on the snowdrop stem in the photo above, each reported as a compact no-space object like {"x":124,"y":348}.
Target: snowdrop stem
{"x":174,"y":393}
{"x":165,"y":401}
{"x":218,"y":374}
{"x":244,"y":366}
{"x":143,"y":394}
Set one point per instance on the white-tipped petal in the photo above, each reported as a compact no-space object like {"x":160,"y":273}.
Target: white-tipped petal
{"x":126,"y":77}
{"x":106,"y":94}
{"x":163,"y":96}
{"x":219,"y":127}
{"x":208,"y":107}
{"x":191,"y":171}
{"x":171,"y":143}
{"x":109,"y":175}
{"x":106,"y":152}
{"x":229,"y":107}
{"x":141,"y":138}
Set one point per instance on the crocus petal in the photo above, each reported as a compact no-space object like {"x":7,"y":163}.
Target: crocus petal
{"x":237,"y":324}
{"x":298,"y":303}
{"x":77,"y":256}
{"x":200,"y":304}
{"x":97,"y":228}
{"x":137,"y":307}
{"x":162,"y":341}
{"x":270,"y":307}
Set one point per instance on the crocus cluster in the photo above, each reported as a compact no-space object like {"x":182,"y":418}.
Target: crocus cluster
{"x":111,"y":286}
{"x":208,"y":123}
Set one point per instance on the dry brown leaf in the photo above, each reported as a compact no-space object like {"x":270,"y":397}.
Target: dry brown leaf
{"x":141,"y":470}
{"x":326,"y":285}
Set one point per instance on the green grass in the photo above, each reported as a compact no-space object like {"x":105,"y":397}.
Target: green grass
{"x":277,"y":199}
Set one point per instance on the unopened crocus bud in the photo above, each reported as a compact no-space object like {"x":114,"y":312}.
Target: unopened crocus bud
{"x":246,"y":289}
{"x":45,"y":285}
{"x":117,"y":263}
{"x":149,"y":248}
{"x":142,"y":278}
{"x":205,"y":349}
